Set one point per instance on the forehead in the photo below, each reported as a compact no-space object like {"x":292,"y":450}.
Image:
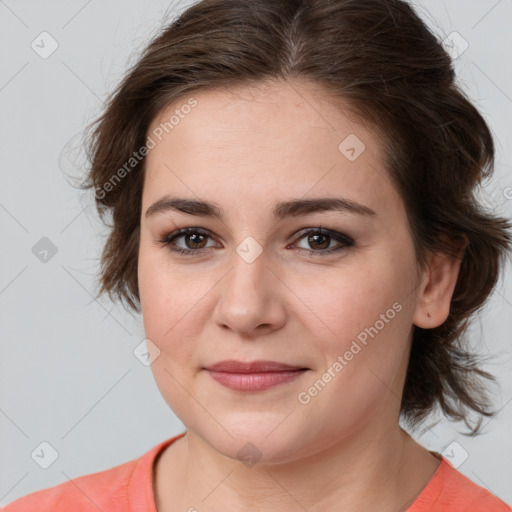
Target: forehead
{"x":278,"y":138}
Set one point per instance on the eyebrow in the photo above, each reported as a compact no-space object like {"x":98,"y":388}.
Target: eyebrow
{"x":282,"y":210}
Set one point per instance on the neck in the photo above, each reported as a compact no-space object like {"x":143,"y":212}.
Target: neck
{"x":373,"y":469}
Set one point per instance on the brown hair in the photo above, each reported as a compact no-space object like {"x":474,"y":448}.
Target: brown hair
{"x":378,"y":56}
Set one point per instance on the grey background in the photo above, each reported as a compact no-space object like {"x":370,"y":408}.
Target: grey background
{"x":68,"y":375}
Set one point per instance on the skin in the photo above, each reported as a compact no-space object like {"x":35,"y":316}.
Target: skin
{"x":344,"y":450}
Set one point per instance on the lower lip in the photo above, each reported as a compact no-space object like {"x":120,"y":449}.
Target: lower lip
{"x":254,"y":381}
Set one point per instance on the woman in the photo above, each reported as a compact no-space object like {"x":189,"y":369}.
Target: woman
{"x":291,"y":187}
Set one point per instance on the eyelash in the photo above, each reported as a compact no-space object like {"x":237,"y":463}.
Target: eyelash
{"x":339,"y":237}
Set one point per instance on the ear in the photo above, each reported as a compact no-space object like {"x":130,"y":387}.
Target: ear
{"x":436,"y":289}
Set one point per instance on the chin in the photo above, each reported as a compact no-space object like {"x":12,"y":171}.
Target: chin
{"x":255,"y":443}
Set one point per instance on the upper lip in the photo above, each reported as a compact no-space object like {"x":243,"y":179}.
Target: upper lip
{"x":232,"y":366}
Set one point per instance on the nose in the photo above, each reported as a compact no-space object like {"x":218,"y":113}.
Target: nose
{"x":251,"y":298}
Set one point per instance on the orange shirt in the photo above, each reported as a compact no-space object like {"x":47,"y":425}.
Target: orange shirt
{"x":128,"y":488}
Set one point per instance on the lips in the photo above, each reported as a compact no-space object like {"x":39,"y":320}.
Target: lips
{"x":255,"y":375}
{"x":232,"y":366}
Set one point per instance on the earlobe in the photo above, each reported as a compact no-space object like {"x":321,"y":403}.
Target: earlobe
{"x":436,"y":290}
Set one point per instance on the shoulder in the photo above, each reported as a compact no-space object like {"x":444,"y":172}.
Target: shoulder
{"x":460,"y":489}
{"x":123,"y":488}
{"x":451,"y":490}
{"x":92,"y":492}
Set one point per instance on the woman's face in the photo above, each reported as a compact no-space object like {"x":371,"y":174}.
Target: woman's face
{"x":263,"y":283}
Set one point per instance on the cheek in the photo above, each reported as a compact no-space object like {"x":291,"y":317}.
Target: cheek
{"x":165,"y":292}
{"x":174,"y":301}
{"x":165,"y":298}
{"x":155,"y":296}
{"x":340,"y":303}
{"x":361,"y":325}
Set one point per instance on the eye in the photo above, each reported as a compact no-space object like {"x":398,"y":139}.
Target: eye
{"x":195,"y":239}
{"x":322,"y":239}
